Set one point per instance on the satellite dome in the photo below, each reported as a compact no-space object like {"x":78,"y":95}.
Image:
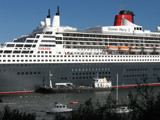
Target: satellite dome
{"x":158,"y":28}
{"x":42,"y":23}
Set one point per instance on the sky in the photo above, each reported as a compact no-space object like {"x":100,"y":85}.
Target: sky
{"x":20,"y":17}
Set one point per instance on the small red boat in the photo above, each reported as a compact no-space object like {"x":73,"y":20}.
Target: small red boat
{"x":74,"y":102}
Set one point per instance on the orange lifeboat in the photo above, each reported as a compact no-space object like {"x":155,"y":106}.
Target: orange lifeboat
{"x":124,"y":48}
{"x":112,"y":47}
{"x":73,"y":102}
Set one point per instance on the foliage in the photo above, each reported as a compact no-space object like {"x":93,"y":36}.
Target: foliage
{"x":143,"y":103}
{"x":9,"y":114}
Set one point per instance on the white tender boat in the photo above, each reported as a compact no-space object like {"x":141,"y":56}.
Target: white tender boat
{"x":59,"y":108}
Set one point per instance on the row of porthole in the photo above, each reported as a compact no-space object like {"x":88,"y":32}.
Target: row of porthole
{"x":92,"y":60}
{"x":27,"y":73}
{"x":90,"y":77}
{"x":138,"y":75}
{"x":91,"y":69}
{"x":90,"y":73}
{"x":141,"y":69}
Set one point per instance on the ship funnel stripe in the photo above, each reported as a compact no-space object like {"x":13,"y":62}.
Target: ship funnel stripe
{"x":128,"y":15}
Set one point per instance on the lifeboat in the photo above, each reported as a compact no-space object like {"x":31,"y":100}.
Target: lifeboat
{"x":73,"y":102}
{"x":148,"y":49}
{"x":124,"y":48}
{"x":157,"y":49}
{"x":114,"y":48}
{"x":136,"y":49}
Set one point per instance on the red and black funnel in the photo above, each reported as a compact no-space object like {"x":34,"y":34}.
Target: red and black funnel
{"x":123,"y":14}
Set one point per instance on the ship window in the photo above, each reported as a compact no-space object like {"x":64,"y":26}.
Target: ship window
{"x":35,"y":41}
{"x":16,"y":51}
{"x":47,"y":45}
{"x":7,"y":51}
{"x":27,"y":45}
{"x":19,"y":45}
{"x":48,"y":37}
{"x":10,"y":45}
{"x":29,"y":41}
{"x":58,"y":42}
{"x":48,"y":32}
{"x":1,"y":51}
{"x":25,"y":51}
{"x":48,"y":41}
{"x":37,"y":36}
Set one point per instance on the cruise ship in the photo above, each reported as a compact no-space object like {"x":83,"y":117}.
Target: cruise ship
{"x":65,"y":54}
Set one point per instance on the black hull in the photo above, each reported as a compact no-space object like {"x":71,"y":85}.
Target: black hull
{"x":29,"y":77}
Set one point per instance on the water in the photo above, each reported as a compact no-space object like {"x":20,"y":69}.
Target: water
{"x":36,"y":102}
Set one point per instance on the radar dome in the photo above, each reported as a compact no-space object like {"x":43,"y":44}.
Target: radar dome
{"x":42,"y":23}
{"x":158,"y":28}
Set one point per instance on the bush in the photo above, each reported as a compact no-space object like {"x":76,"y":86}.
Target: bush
{"x":9,"y":114}
{"x":145,"y":105}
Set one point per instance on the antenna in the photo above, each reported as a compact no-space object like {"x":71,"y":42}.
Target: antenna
{"x":58,"y":11}
{"x":48,"y":16}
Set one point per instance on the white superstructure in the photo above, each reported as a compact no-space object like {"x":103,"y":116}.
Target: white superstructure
{"x":52,"y":43}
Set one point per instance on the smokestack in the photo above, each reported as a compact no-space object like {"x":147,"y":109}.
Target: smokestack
{"x":128,"y":15}
{"x":48,"y":19}
{"x":48,"y":16}
{"x":57,"y":11}
{"x":56,"y":19}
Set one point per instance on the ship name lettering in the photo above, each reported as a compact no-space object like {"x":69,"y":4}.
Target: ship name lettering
{"x":121,"y":29}
{"x":44,"y":48}
{"x":112,"y":29}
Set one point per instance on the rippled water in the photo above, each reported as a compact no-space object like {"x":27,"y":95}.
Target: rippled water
{"x":36,"y":102}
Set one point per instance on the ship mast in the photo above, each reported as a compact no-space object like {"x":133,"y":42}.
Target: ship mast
{"x":117,"y":91}
{"x":50,"y":79}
